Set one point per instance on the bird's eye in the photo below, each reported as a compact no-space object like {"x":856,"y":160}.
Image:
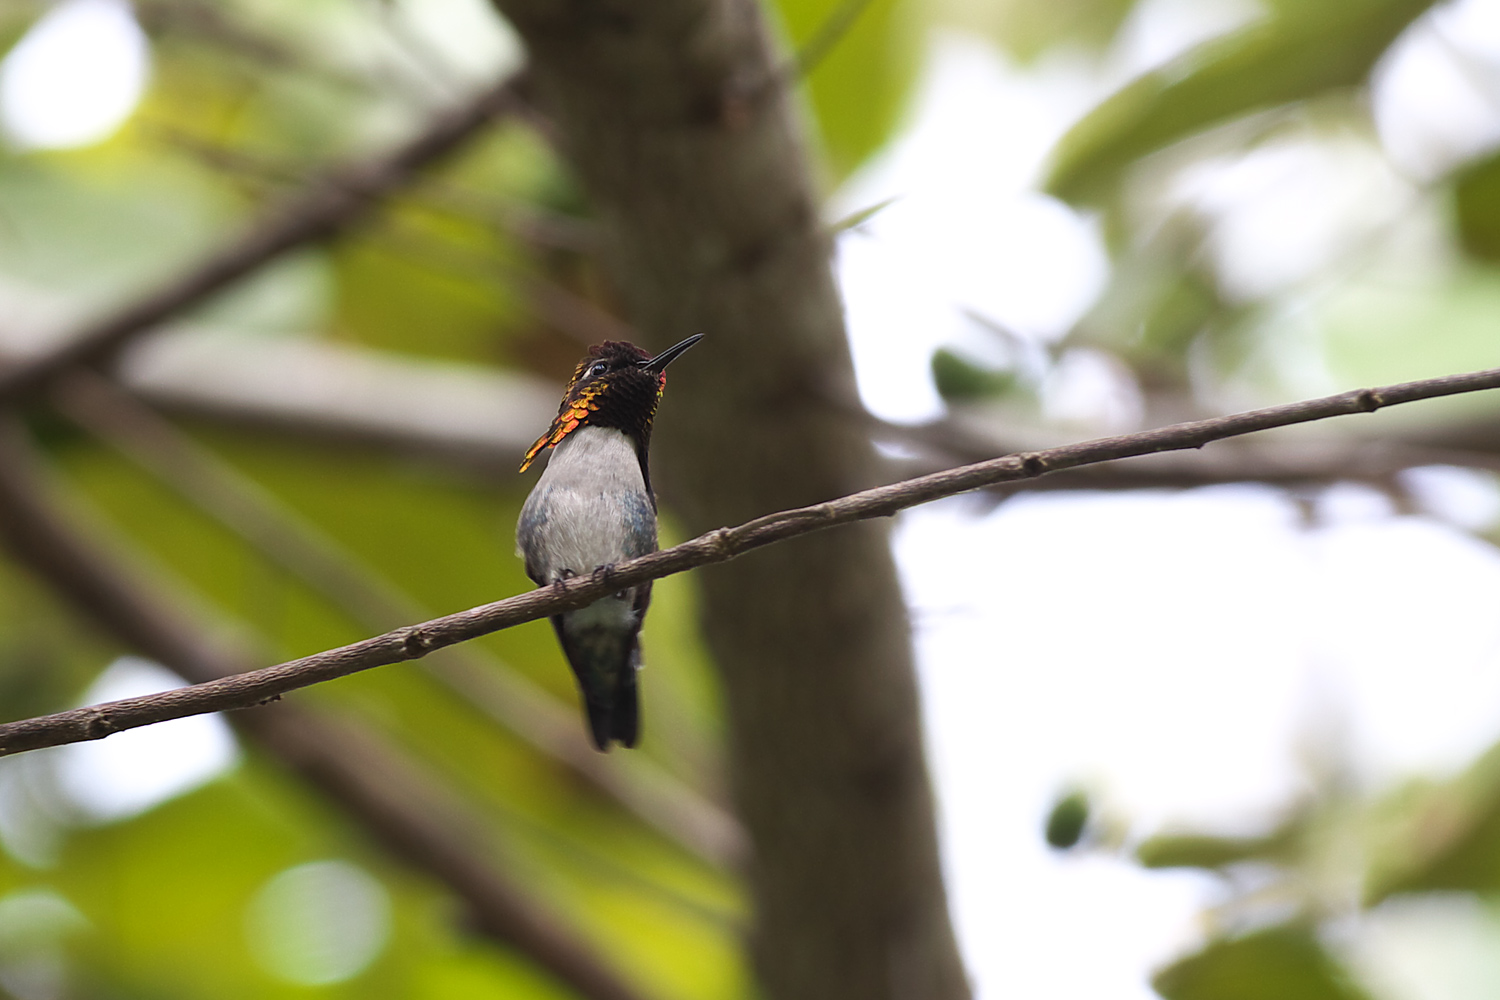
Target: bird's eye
{"x":596,"y":369}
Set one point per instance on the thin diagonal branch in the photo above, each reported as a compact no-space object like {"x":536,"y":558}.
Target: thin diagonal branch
{"x":327,"y":206}
{"x":507,"y":697}
{"x":414,"y":641}
{"x":1292,"y":464}
{"x":407,"y":809}
{"x":823,"y":41}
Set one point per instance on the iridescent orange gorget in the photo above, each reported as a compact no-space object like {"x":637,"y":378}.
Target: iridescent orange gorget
{"x":587,"y":394}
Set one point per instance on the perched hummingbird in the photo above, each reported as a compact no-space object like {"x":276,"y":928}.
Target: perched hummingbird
{"x":594,"y":507}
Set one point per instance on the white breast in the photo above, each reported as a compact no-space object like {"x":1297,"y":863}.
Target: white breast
{"x":589,"y":509}
{"x":594,"y":458}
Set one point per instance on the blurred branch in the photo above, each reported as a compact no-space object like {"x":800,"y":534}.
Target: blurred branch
{"x":1377,"y":463}
{"x":286,"y":539}
{"x":406,"y":809}
{"x":256,"y":687}
{"x":250,"y":168}
{"x":475,"y":419}
{"x":327,"y":206}
{"x":468,"y":415}
{"x":531,"y":224}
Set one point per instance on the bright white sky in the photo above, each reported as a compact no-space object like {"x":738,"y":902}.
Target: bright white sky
{"x":1173,"y":652}
{"x":75,"y":76}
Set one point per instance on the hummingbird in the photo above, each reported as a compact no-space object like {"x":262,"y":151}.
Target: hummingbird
{"x":593,"y":507}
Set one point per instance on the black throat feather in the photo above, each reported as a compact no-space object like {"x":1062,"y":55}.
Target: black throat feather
{"x":622,"y":396}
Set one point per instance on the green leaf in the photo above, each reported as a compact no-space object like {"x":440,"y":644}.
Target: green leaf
{"x":1441,"y":839}
{"x":1197,"y":850}
{"x":1476,"y":205}
{"x":1067,"y":821}
{"x":960,"y":380}
{"x":1279,"y":963}
{"x":1297,"y":53}
{"x":1200,"y":851}
{"x":865,"y":55}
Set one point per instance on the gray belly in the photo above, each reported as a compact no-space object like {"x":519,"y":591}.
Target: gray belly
{"x":564,"y":531}
{"x":589,"y":509}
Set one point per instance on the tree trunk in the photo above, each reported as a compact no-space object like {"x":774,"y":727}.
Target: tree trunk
{"x":680,"y":124}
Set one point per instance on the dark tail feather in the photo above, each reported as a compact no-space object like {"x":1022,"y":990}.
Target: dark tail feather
{"x":614,"y":715}
{"x":625,"y":719}
{"x":611,"y":700}
{"x":601,"y":729}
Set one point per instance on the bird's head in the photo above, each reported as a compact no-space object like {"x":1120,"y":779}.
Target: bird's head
{"x":617,"y":385}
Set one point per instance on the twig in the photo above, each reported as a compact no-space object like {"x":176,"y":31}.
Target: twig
{"x":1377,"y":463}
{"x":504,"y":695}
{"x":401,"y":805}
{"x":472,"y":420}
{"x":327,"y":206}
{"x":823,"y":41}
{"x":415,"y":641}
{"x":819,"y":46}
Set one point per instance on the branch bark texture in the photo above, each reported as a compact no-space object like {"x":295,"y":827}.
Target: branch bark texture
{"x":404,"y":808}
{"x":111,"y":602}
{"x":545,"y":722}
{"x":411,"y":642}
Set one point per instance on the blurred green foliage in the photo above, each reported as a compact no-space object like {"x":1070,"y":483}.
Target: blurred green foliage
{"x":246,"y":99}
{"x":858,"y":59}
{"x":1300,"y":52}
{"x":1413,"y":294}
{"x":1189,"y":850}
{"x":1476,"y":198}
{"x":1284,"y":962}
{"x":1435,"y":837}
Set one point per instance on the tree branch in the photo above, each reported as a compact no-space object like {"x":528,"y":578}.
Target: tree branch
{"x":325,"y":207}
{"x":257,"y":687}
{"x":474,"y":419}
{"x":406,"y":808}
{"x":1291,"y":464}
{"x":468,"y":416}
{"x":481,"y":682}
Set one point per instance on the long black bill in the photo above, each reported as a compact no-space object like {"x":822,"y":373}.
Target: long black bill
{"x":656,"y":364}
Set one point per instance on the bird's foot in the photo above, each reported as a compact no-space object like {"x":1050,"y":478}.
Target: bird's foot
{"x":604,"y":573}
{"x":562,"y":577}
